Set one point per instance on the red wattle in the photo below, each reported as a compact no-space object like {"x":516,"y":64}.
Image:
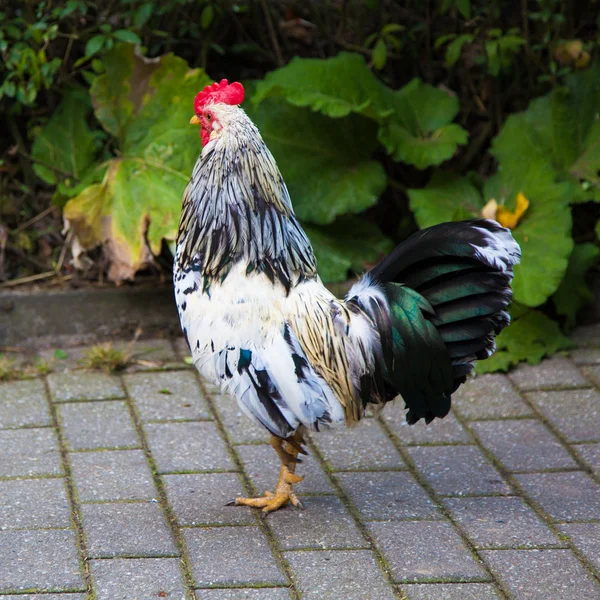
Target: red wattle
{"x":205,"y":135}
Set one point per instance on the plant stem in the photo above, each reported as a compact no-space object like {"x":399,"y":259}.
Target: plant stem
{"x":272,"y":34}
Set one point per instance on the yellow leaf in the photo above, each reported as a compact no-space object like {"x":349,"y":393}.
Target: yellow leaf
{"x":510,"y":219}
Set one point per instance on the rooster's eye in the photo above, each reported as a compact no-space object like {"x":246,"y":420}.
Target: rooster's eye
{"x":208,"y":117}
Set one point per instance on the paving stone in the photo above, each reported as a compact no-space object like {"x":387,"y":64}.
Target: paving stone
{"x":68,"y":386}
{"x":126,"y":529}
{"x":587,"y":336}
{"x":30,"y":503}
{"x":421,"y":550}
{"x":450,"y":591}
{"x":523,"y":445}
{"x":201,"y":499}
{"x":43,"y":597}
{"x":29,"y":452}
{"x":112,"y":475}
{"x":585,"y":356}
{"x":182,"y":349}
{"x":542,"y":574}
{"x":592,"y":373}
{"x":556,"y":372}
{"x":333,"y":575}
{"x":178,"y":447}
{"x":365,"y":447}
{"x":261,"y":463}
{"x":23,"y":404}
{"x":489,"y":396}
{"x":240,"y":429}
{"x":398,"y":496}
{"x":500,"y":522}
{"x":571,"y":496}
{"x":62,"y":360}
{"x":41,"y":560}
{"x":244,"y":594}
{"x":591,"y":454}
{"x":137,"y":579}
{"x":168,"y":396}
{"x":586,"y":538}
{"x":230,"y":556}
{"x":93,"y":425}
{"x":457,"y":470}
{"x":152,"y":354}
{"x":323,"y":524}
{"x":575,"y":413}
{"x":438,"y":431}
{"x":211,"y":388}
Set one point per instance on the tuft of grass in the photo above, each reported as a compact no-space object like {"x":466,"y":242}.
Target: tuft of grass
{"x":107,"y":358}
{"x":41,"y":367}
{"x":9,"y":369}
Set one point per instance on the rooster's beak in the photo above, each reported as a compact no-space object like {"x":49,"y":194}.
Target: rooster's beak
{"x":194,"y":120}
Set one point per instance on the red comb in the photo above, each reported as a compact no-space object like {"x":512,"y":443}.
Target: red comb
{"x":219,"y":93}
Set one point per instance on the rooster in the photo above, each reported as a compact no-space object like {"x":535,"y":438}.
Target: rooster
{"x":262,"y":326}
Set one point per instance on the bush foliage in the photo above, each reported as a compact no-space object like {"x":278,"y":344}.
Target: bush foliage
{"x":368,"y":134}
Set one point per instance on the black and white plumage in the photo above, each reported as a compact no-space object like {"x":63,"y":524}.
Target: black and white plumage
{"x":260,"y":323}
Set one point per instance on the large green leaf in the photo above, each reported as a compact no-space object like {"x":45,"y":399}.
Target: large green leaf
{"x":335,"y":86}
{"x":524,"y":150}
{"x":414,"y":122}
{"x":544,"y":232}
{"x":580,"y":107}
{"x":326,"y":164}
{"x":446,"y":197}
{"x":146,"y":104}
{"x":573,"y":292}
{"x":531,"y":336}
{"x":349,"y":244}
{"x":559,"y":135}
{"x":420,"y":131}
{"x":64,"y":149}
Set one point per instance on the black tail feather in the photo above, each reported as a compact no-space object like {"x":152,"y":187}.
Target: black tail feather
{"x":463,"y":271}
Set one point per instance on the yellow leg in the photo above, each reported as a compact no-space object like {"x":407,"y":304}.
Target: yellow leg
{"x":283,"y":493}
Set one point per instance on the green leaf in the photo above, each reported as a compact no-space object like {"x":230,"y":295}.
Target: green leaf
{"x":206,"y":18}
{"x":60,"y":354}
{"x":379,"y":54}
{"x":445,"y":196}
{"x":142,"y":14}
{"x":119,"y":93}
{"x":391,"y":28}
{"x":326,"y":164}
{"x":445,"y":6}
{"x":573,"y":293}
{"x":94,"y":44}
{"x":464,"y":8}
{"x":544,"y":232}
{"x":531,"y":336}
{"x":350,"y":244}
{"x":65,"y":146}
{"x":414,"y":121}
{"x":335,"y":86}
{"x":560,"y":135}
{"x":124,"y":35}
{"x":454,"y":49}
{"x":420,"y":132}
{"x":146,"y":105}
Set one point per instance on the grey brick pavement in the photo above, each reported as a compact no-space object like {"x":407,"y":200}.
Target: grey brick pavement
{"x":115,"y":488}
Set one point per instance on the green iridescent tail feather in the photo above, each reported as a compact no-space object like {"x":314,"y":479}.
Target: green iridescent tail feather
{"x":448,"y":288}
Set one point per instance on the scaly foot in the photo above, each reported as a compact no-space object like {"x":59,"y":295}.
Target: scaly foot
{"x":282,"y":496}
